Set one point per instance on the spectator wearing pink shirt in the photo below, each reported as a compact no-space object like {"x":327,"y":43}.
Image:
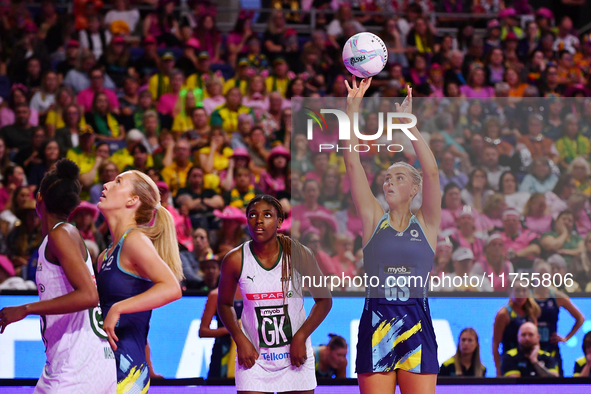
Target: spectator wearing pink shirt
{"x":451,"y":203}
{"x":348,"y":219}
{"x":492,"y":212}
{"x":167,"y":104}
{"x":442,"y":263}
{"x":320,"y":162}
{"x":17,"y":96}
{"x":475,"y":87}
{"x":328,"y":227}
{"x":311,"y":192}
{"x":311,"y":239}
{"x":522,"y":246}
{"x":273,"y":180}
{"x":536,"y":216}
{"x":578,"y":204}
{"x":494,"y":263}
{"x":464,"y":236}
{"x":344,"y":258}
{"x":86,"y":97}
{"x":557,"y":198}
{"x":182,"y":223}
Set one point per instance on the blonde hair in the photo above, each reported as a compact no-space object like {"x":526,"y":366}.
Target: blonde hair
{"x":492,"y":202}
{"x":162,"y":232}
{"x":415,"y":175}
{"x":530,"y":307}
{"x":580,"y":160}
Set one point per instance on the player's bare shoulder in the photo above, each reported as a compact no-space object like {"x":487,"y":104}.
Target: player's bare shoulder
{"x":232,"y":262}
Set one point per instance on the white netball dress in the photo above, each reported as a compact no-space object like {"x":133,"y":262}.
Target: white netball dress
{"x":79,"y":357}
{"x":269,"y":321}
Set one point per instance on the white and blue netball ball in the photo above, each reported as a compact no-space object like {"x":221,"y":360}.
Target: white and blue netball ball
{"x":365,"y":55}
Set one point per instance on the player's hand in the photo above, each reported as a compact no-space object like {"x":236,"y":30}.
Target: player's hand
{"x":109,"y":325}
{"x":246,"y":353}
{"x":555,"y":338}
{"x":11,"y":314}
{"x":297,"y":350}
{"x":406,"y":106}
{"x":355,"y":93}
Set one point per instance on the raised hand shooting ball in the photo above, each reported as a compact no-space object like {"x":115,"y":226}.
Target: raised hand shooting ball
{"x":365,"y":55}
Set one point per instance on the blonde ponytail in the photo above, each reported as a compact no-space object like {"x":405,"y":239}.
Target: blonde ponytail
{"x":162,"y":232}
{"x":163,"y":236}
{"x":532,"y":309}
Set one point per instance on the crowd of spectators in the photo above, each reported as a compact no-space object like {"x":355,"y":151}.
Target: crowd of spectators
{"x":208,"y":116}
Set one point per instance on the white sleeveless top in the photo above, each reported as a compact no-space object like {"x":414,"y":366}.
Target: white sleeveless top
{"x":270,"y":329}
{"x":79,"y":357}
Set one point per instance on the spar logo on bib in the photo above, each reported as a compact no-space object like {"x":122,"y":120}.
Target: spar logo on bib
{"x":273,"y":295}
{"x":274,"y":326}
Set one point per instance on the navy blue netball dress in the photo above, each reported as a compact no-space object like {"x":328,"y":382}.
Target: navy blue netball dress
{"x":395,"y":331}
{"x":548,"y":325}
{"x":114,"y":285}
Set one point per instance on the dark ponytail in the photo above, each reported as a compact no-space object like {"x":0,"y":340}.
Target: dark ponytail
{"x":60,"y":188}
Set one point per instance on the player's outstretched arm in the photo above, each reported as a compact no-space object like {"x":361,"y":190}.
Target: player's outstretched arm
{"x":368,"y":208}
{"x":431,"y":208}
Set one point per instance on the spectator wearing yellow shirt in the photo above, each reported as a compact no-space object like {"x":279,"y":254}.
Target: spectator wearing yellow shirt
{"x":509,"y":23}
{"x":123,"y":157}
{"x":68,"y":137}
{"x":56,"y":116}
{"x":198,"y":80}
{"x":226,"y":116}
{"x":572,"y":144}
{"x":199,"y":134}
{"x":182,"y":121}
{"x":175,"y":174}
{"x":279,"y":81}
{"x":244,"y":190}
{"x":87,"y":157}
{"x":580,"y":169}
{"x":215,"y":157}
{"x":240,"y":80}
{"x":198,"y":200}
{"x":160,"y":83}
